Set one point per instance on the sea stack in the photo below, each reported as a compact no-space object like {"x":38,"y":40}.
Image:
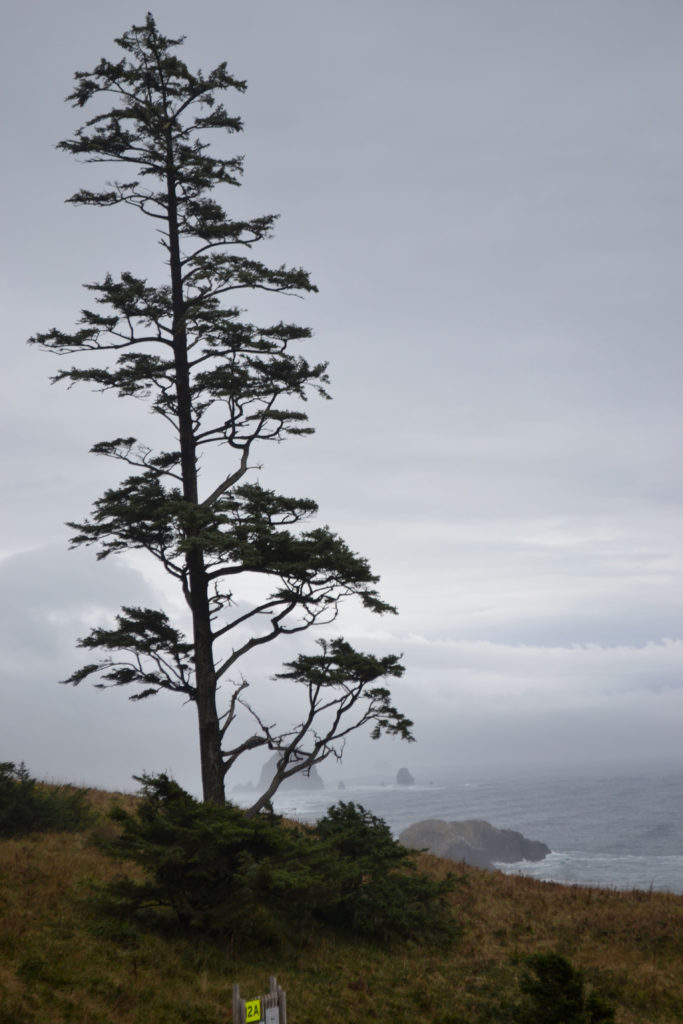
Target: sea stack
{"x":474,"y":842}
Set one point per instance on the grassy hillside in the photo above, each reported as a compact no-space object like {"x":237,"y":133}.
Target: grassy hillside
{"x":62,"y":960}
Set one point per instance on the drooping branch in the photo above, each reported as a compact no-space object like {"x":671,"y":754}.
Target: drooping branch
{"x":339,"y":700}
{"x":160,"y":658}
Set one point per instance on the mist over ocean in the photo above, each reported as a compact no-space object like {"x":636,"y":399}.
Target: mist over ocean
{"x":616,"y":828}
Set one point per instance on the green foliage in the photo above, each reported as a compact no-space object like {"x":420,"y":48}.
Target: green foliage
{"x":378,"y":889}
{"x":340,"y":669}
{"x":258,"y":878}
{"x":28,"y":807}
{"x":555,"y":994}
{"x":211,"y":865}
{"x":148,"y":634}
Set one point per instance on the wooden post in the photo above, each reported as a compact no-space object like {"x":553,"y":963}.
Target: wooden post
{"x":275,"y":999}
{"x":279,"y":998}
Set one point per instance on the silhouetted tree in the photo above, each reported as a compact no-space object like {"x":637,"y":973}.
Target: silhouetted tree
{"x":218,"y":382}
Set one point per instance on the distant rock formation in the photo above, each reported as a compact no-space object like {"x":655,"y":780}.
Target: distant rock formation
{"x":301,"y":780}
{"x":404,"y":778}
{"x":474,"y":842}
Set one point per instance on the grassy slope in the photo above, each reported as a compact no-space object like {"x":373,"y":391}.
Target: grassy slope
{"x":62,"y":962}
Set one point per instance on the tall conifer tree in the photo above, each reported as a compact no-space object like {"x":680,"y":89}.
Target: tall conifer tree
{"x":217,"y":381}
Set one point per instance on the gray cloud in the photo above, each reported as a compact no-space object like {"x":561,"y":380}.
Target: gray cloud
{"x":489,"y":197}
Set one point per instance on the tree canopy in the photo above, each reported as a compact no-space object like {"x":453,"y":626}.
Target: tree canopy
{"x":220,"y":383}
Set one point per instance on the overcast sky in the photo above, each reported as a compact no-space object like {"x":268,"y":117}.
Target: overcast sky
{"x":488,"y":195}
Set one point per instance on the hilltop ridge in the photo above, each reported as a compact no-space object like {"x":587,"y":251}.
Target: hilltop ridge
{"x":63,"y":962}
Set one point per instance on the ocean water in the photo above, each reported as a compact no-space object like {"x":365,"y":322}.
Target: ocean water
{"x":617,"y":828}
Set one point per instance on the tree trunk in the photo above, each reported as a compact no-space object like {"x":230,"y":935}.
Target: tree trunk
{"x":205,"y":680}
{"x":205,"y":673}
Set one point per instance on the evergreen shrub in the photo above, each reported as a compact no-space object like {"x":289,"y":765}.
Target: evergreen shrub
{"x":378,"y":891}
{"x":209,"y":865}
{"x":27,"y":806}
{"x":258,"y":877}
{"x":555,"y":994}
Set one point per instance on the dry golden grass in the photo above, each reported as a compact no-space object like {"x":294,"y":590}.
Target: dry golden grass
{"x":629,"y":943}
{"x":61,"y":962}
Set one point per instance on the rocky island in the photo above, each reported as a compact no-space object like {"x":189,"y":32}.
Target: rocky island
{"x":474,"y":842}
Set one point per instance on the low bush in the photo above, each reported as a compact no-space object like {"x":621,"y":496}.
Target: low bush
{"x":555,"y":994}
{"x":28,"y":806}
{"x":209,"y":865}
{"x":378,"y":890}
{"x":261,"y":878}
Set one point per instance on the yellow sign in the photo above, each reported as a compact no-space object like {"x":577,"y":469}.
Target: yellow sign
{"x":253,"y":1011}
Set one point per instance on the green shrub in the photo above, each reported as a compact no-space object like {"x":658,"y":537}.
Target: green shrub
{"x":259,"y":878}
{"x":211,"y":866}
{"x":555,"y":994}
{"x":378,"y":890}
{"x":26,"y":806}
